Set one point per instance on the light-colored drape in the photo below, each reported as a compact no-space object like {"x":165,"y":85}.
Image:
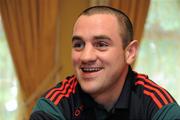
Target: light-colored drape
{"x":31,"y":30}
{"x":137,"y":11}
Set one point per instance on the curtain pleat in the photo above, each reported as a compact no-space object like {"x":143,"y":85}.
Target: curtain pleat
{"x":31,"y":30}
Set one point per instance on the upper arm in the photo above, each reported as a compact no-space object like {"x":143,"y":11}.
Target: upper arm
{"x":41,"y":115}
{"x":46,"y":110}
{"x":168,"y":112}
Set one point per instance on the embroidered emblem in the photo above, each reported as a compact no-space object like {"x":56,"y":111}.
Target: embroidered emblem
{"x":78,"y":111}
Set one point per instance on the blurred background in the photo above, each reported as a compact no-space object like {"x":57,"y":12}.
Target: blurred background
{"x":35,"y":46}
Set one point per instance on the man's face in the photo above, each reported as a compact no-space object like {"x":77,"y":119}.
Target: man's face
{"x":97,"y":54}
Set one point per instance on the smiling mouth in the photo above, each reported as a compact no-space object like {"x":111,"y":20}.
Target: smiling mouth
{"x":90,"y":69}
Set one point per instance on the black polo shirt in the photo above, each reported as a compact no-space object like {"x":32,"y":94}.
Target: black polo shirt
{"x":130,"y":104}
{"x":140,"y":99}
{"x":119,"y":110}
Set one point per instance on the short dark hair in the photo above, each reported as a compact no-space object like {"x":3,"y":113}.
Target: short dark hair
{"x":124,"y":22}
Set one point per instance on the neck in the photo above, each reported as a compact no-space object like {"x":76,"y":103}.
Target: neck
{"x":110,"y":96}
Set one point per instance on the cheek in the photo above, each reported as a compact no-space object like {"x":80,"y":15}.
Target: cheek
{"x":75,"y":58}
{"x":114,"y":57}
{"x":115,"y":62}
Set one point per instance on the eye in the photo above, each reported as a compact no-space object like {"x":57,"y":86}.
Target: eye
{"x":101,"y":45}
{"x":78,"y":44}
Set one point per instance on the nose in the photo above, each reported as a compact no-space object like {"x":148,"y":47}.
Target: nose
{"x":88,"y":54}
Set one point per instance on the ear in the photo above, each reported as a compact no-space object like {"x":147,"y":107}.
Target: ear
{"x":131,"y":51}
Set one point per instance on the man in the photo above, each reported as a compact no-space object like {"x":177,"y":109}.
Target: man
{"x":104,"y":86}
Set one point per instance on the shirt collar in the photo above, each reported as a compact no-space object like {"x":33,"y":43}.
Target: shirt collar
{"x":124,"y":98}
{"x":86,"y":99}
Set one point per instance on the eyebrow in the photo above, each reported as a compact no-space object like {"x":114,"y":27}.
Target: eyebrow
{"x":76,"y":38}
{"x":100,"y":37}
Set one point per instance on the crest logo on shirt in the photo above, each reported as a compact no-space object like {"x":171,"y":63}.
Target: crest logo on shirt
{"x":77,"y":111}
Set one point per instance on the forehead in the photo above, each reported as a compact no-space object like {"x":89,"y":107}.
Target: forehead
{"x":98,"y":15}
{"x":96,"y":22}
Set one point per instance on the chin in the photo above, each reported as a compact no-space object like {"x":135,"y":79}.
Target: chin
{"x":89,"y":89}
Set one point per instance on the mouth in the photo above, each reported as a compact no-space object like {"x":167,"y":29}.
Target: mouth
{"x":90,"y":69}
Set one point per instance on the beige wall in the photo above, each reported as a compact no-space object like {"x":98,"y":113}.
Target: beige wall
{"x":68,"y":14}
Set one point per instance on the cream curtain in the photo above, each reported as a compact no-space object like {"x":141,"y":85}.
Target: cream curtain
{"x":31,"y":30}
{"x":137,"y":11}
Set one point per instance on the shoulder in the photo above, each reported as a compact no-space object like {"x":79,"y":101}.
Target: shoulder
{"x":57,"y":102}
{"x":153,"y":91}
{"x":153,"y":97}
{"x":63,"y":90}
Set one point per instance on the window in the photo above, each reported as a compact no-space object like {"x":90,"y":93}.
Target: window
{"x":8,"y":81}
{"x":159,"y":53}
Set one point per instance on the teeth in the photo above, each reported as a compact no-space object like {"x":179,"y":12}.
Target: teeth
{"x":90,"y":69}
